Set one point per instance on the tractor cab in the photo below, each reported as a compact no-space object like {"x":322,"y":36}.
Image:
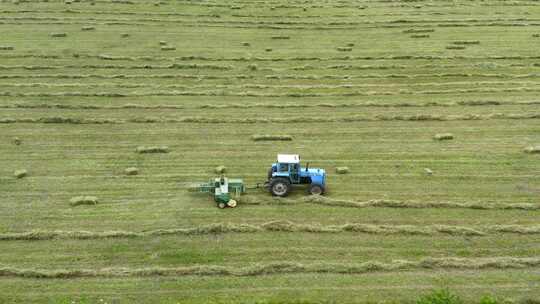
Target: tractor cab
{"x":287,"y":172}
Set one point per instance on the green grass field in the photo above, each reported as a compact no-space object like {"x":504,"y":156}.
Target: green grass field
{"x":362,"y":84}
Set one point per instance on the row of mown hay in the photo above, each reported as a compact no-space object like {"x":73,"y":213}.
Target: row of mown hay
{"x":271,"y":105}
{"x":385,"y":203}
{"x":250,"y":93}
{"x":322,"y":200}
{"x":252,"y":120}
{"x":280,"y":226}
{"x":281,"y":268}
{"x":294,"y":58}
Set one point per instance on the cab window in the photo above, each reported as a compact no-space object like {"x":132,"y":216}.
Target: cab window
{"x":283,"y":168}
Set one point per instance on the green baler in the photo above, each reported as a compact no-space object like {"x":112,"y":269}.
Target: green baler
{"x":224,"y":190}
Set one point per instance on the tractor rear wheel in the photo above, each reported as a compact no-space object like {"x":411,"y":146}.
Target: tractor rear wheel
{"x":280,"y":186}
{"x":222,"y":205}
{"x":316,"y":190}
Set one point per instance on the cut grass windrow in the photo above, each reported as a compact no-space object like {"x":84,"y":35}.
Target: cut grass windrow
{"x":259,"y":58}
{"x":117,"y":67}
{"x":274,"y":77}
{"x":384,"y":203}
{"x":279,"y":25}
{"x":302,"y":87}
{"x":278,"y":226}
{"x":374,"y":104}
{"x":446,"y":263}
{"x":267,"y":95}
{"x":254,"y":120}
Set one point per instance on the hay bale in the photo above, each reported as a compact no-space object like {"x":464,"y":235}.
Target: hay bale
{"x":342,"y":170}
{"x":344,"y":49}
{"x":152,"y":149}
{"x":220,"y":169}
{"x":246,"y":44}
{"x":411,"y":31}
{"x":266,"y":137}
{"x":124,"y":35}
{"x":83,"y":200}
{"x":131,"y":171}
{"x":252,"y":67}
{"x":420,"y":36}
{"x":536,"y":35}
{"x":57,"y":35}
{"x":163,"y":42}
{"x":268,"y":49}
{"x":168,"y":48}
{"x":20,"y":173}
{"x":6,"y":48}
{"x":17,"y":141}
{"x":443,"y":136}
{"x":455,"y":47}
{"x":428,"y":171}
{"x":88,"y":28}
{"x":466,"y":42}
{"x":280,"y":37}
{"x":532,"y":150}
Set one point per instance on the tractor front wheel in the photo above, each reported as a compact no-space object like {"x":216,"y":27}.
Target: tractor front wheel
{"x":316,"y":190}
{"x":280,"y":187}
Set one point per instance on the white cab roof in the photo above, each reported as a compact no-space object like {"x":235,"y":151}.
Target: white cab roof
{"x":288,"y":158}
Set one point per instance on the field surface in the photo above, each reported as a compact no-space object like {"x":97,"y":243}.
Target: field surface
{"x":362,"y":84}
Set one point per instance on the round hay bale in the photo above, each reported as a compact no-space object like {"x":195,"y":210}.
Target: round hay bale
{"x":17,"y":141}
{"x":428,"y":171}
{"x":220,"y":169}
{"x":153,"y":149}
{"x":20,"y":173}
{"x":83,"y":200}
{"x":58,"y":35}
{"x":532,"y":150}
{"x":131,"y":171}
{"x":443,"y":136}
{"x":342,"y":170}
{"x":232,"y":203}
{"x":268,"y":137}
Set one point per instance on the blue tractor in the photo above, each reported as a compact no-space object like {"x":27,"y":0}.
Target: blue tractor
{"x":287,"y":172}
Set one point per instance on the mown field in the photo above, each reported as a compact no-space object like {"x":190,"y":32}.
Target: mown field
{"x":362,"y":84}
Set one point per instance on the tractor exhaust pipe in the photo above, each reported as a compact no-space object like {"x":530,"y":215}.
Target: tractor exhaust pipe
{"x":307,"y":166}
